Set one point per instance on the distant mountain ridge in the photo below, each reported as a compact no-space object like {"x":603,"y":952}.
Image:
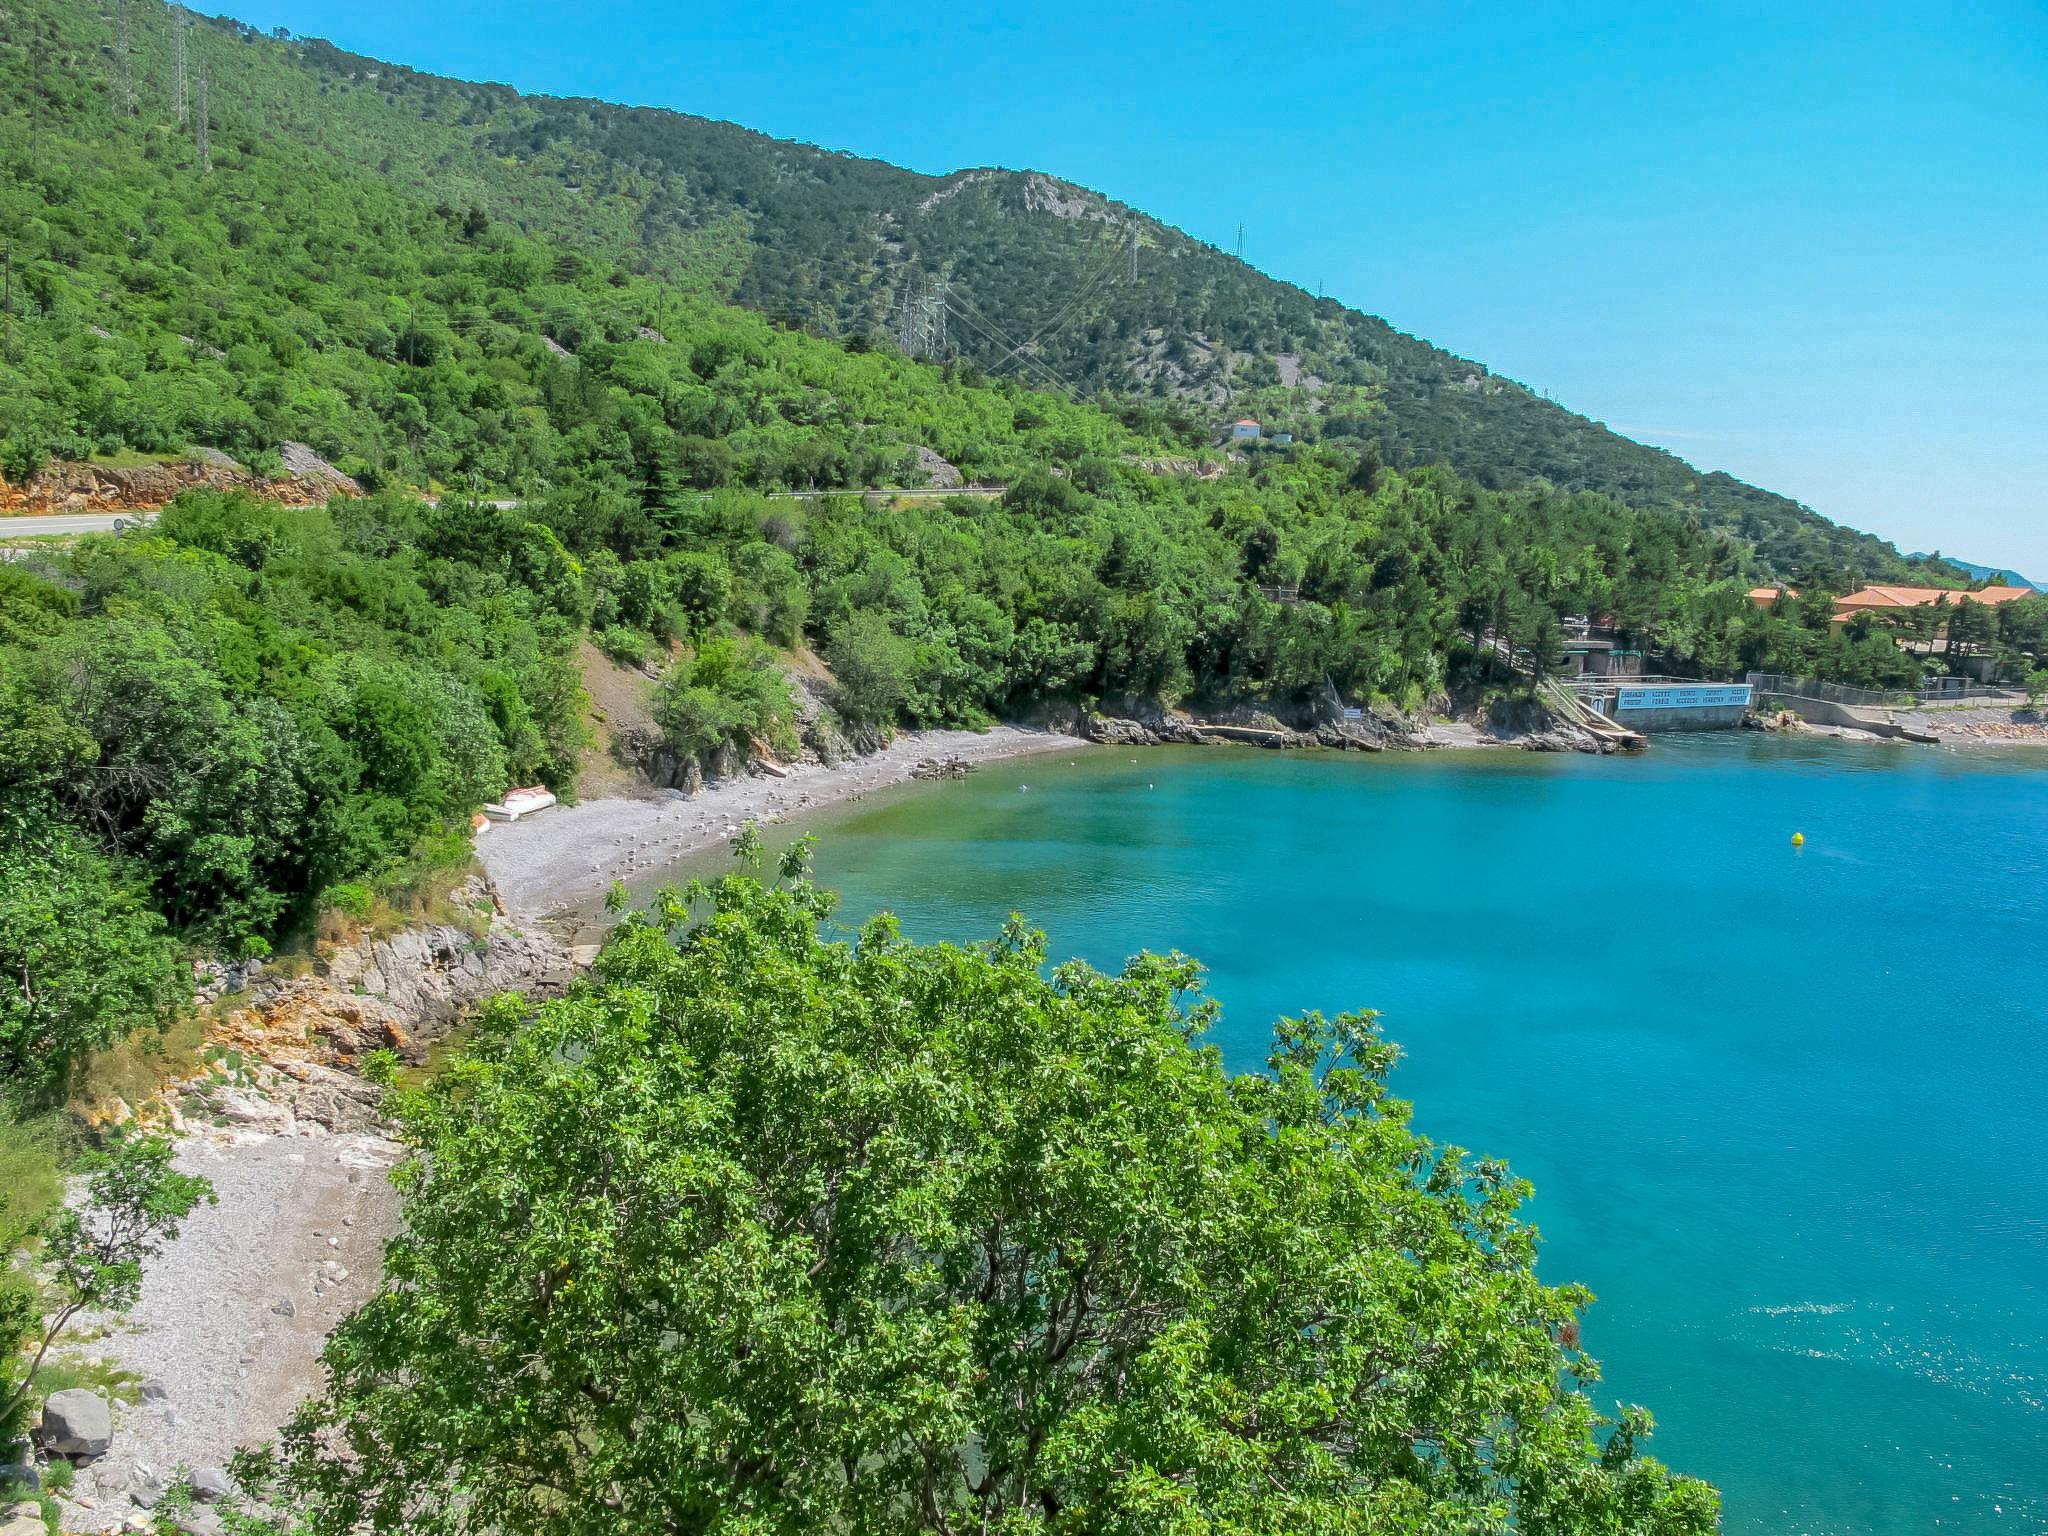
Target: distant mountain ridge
{"x":1975,"y":572}
{"x":1029,"y":274}
{"x":1039,"y":275}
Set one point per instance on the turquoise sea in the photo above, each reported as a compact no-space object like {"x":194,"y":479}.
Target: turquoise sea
{"x":1786,"y":1110}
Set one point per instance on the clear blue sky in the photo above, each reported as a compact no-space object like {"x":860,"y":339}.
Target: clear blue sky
{"x":1804,"y":243}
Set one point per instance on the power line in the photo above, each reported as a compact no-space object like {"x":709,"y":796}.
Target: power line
{"x":124,"y":72}
{"x":1071,"y":307}
{"x":994,"y":334}
{"x":180,"y":19}
{"x":205,"y":137}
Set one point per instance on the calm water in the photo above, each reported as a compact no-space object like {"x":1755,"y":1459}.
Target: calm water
{"x":1786,"y":1111}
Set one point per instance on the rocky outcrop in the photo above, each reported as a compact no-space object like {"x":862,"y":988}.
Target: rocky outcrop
{"x":936,"y":470}
{"x":1251,"y":726}
{"x":284,"y":1059}
{"x":1531,"y":725}
{"x":67,"y":486}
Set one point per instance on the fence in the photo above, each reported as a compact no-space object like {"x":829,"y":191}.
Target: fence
{"x":1881,"y":698}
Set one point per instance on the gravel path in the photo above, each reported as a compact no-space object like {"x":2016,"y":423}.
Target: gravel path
{"x":567,"y":856}
{"x":228,"y":1332}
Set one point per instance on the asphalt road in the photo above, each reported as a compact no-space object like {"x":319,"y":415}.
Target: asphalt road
{"x":61,"y":523}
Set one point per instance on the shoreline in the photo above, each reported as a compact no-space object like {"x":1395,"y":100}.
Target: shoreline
{"x":555,"y":860}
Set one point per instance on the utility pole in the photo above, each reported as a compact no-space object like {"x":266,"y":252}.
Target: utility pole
{"x":179,"y":105}
{"x":1240,"y":242}
{"x":124,"y":70}
{"x":205,"y":124}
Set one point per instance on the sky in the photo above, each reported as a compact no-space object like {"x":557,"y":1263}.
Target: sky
{"x":1807,"y":244}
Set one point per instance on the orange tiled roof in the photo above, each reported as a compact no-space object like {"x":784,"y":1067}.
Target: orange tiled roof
{"x":1921,"y":597}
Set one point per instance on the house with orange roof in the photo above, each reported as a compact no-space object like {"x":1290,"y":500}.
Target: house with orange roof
{"x":1889,"y":599}
{"x":1765,"y":597}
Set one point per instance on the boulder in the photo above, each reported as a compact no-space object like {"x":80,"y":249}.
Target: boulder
{"x":18,"y":1524}
{"x":210,"y":1484}
{"x":241,"y":1107}
{"x":76,"y":1422}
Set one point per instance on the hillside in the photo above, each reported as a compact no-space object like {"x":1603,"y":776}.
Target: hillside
{"x":1040,"y":273}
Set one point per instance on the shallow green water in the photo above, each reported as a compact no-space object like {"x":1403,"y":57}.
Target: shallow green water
{"x":1784,"y":1109}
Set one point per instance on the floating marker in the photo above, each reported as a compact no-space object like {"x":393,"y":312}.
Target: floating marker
{"x":1798,"y":839}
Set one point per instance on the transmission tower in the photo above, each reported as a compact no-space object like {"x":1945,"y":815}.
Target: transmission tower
{"x":179,"y":105}
{"x":920,"y":321}
{"x":124,"y":71}
{"x":205,"y":140}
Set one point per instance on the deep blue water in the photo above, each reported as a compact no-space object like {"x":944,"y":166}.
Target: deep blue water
{"x":1785,"y":1109}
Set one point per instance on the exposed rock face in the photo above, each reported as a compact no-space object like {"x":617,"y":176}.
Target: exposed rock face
{"x":936,"y":470}
{"x":1530,"y":725}
{"x":76,"y":1422}
{"x":402,"y":993}
{"x":73,"y":487}
{"x":308,"y":469}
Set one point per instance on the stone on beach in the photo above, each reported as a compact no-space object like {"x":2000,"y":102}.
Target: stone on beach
{"x":77,"y":1422}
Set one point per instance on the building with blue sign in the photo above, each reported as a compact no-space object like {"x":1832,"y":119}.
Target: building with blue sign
{"x":1666,"y":703}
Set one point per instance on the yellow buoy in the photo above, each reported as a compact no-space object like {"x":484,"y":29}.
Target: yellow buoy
{"x":1798,"y":839}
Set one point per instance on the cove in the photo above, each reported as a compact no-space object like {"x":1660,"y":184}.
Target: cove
{"x":1784,"y":1108}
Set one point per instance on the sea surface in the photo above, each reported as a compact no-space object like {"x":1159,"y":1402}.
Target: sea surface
{"x":1786,"y":1109}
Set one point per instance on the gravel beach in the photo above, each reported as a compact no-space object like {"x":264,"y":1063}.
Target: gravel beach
{"x":570,"y":855}
{"x":228,"y":1332}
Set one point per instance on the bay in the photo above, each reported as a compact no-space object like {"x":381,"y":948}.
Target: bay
{"x":1783,"y":1106}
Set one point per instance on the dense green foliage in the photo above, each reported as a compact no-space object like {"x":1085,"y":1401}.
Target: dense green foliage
{"x":254,"y":701}
{"x":85,"y":961}
{"x":765,"y":1233}
{"x":350,"y":275}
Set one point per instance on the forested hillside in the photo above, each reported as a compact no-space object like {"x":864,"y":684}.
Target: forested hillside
{"x":1040,"y":273}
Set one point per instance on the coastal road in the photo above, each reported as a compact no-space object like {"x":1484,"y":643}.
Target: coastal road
{"x":59,"y":524}
{"x":70,"y":524}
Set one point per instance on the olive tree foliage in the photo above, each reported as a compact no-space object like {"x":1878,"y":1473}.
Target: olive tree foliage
{"x":762,"y":1232}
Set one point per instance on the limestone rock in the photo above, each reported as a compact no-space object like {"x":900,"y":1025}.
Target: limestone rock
{"x":209,"y":1484}
{"x":77,"y":1422}
{"x":241,"y":1107}
{"x":936,"y":470}
{"x":307,"y":468}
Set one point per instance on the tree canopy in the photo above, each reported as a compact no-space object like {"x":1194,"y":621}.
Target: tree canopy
{"x":764,"y":1231}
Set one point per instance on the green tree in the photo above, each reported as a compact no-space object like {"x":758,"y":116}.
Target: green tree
{"x":871,"y":669}
{"x":761,"y":1232}
{"x":83,"y":960}
{"x":91,"y":1255}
